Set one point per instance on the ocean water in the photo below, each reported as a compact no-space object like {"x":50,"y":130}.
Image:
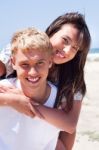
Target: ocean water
{"x":93,"y":54}
{"x":94,"y":50}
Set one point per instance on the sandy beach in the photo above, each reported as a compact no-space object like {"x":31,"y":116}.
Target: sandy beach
{"x":87,"y":137}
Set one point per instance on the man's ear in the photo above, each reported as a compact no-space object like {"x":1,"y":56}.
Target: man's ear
{"x":13,"y":62}
{"x":50,"y":62}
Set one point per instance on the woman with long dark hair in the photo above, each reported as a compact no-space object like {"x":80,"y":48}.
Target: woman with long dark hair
{"x":70,"y":38}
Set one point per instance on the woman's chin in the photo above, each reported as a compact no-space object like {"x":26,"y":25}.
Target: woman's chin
{"x":60,"y":61}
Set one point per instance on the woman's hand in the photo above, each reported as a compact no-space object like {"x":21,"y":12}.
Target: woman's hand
{"x":26,"y":105}
{"x":19,"y":102}
{"x":22,"y":104}
{"x":13,"y":97}
{"x":10,"y":89}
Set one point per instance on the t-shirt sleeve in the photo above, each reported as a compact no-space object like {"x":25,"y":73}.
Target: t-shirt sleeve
{"x":78,"y":96}
{"x":5,"y":55}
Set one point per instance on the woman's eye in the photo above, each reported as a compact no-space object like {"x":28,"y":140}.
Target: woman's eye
{"x":66,"y":41}
{"x":75,"y":48}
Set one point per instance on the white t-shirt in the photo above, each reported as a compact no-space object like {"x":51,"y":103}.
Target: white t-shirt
{"x":20,"y":132}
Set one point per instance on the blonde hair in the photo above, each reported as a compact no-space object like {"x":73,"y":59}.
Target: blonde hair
{"x":29,"y":39}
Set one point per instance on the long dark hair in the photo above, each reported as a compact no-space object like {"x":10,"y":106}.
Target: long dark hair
{"x":70,"y":75}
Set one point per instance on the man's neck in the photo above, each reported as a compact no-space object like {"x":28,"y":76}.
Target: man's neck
{"x":39,"y":94}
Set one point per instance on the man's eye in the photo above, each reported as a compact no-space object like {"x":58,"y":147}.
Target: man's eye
{"x":25,"y":65}
{"x":40,"y":63}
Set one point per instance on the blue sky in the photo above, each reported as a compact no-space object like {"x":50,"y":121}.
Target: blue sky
{"x":18,"y":14}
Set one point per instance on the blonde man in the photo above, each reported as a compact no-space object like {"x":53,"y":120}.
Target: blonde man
{"x":31,"y":58}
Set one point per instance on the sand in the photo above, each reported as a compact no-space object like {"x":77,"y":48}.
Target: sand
{"x":87,"y":137}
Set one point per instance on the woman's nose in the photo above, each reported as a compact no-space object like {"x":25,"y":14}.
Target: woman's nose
{"x":67,"y":49}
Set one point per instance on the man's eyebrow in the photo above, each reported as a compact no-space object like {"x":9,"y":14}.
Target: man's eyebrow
{"x":23,"y":61}
{"x":42,"y":59}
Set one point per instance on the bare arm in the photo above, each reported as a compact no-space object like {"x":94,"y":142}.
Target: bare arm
{"x":60,"y":119}
{"x":2,"y":69}
{"x":18,"y":102}
{"x":12,"y":97}
{"x":67,"y":139}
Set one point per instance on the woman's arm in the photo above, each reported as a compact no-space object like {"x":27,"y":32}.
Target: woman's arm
{"x":60,"y":145}
{"x":19,"y":102}
{"x":2,"y":69}
{"x":67,"y":139}
{"x":15,"y":99}
{"x":12,"y":97}
{"x":59,"y":118}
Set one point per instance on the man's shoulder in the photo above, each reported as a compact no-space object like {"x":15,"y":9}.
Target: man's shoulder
{"x":53,"y":87}
{"x":51,"y":100}
{"x":8,"y":82}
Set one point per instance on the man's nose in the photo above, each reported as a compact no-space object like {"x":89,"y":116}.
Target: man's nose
{"x":33,"y":71}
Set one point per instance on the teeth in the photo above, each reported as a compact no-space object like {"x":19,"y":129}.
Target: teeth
{"x":60,"y":54}
{"x":33,"y":79}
